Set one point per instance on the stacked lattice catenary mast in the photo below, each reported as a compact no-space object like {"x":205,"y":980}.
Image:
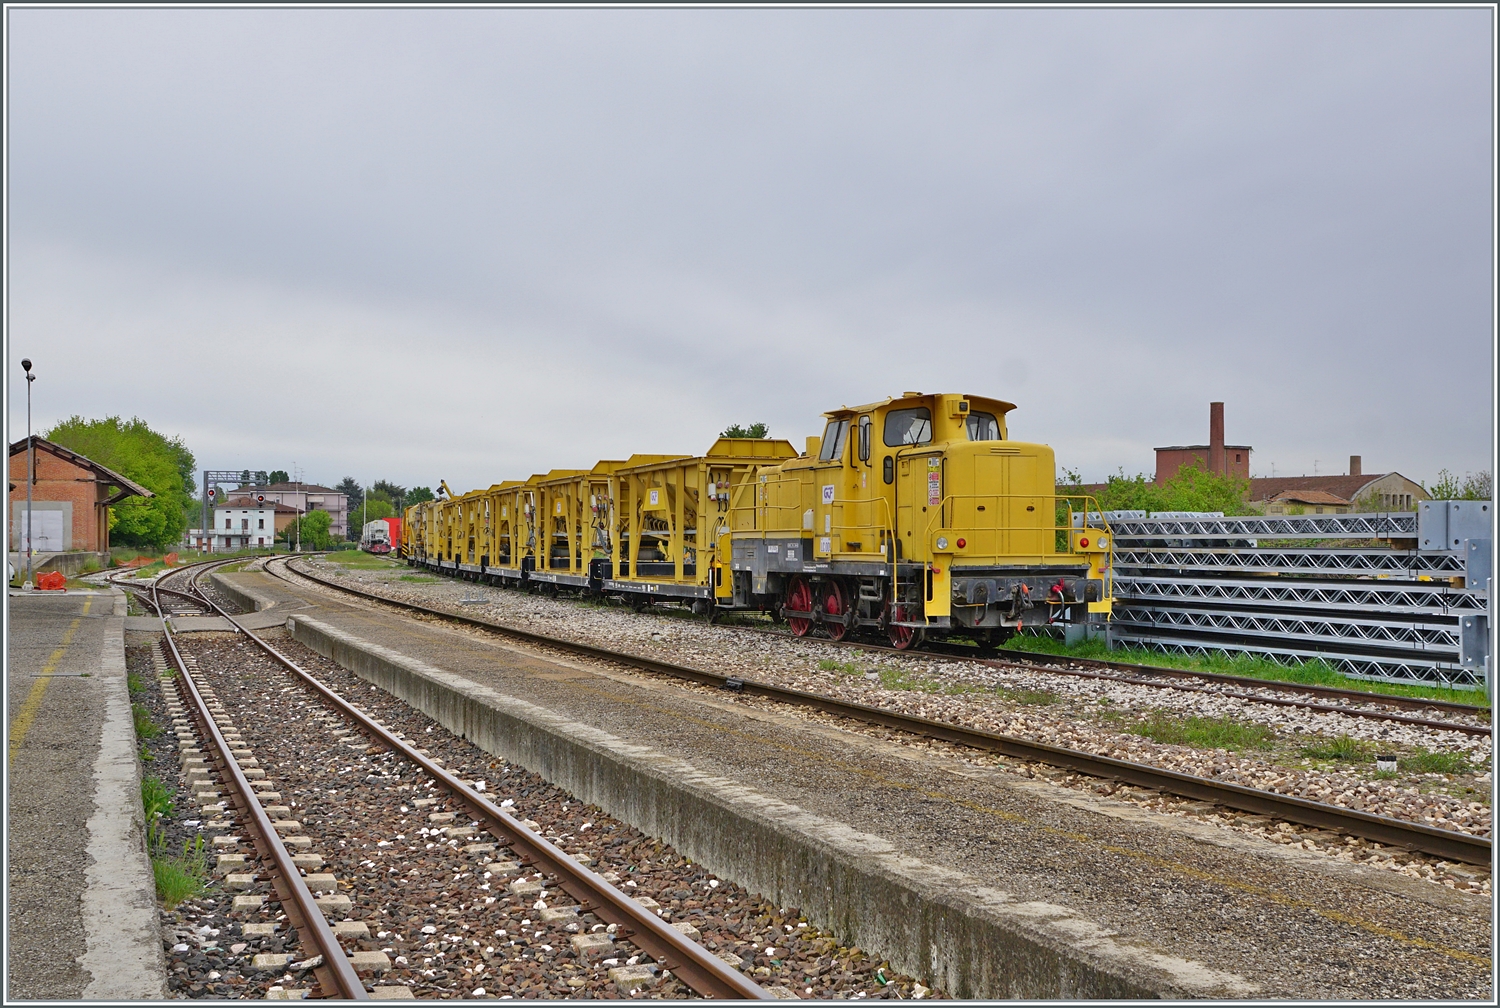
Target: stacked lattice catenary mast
{"x":914,"y":516}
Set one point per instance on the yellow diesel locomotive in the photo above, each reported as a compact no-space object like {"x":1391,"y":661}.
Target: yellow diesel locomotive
{"x":914,"y":517}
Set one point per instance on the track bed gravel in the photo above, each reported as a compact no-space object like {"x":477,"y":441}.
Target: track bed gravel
{"x":440,"y":911}
{"x":1091,"y":715}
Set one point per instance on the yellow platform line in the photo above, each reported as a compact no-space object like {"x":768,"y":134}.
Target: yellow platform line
{"x":27,"y":714}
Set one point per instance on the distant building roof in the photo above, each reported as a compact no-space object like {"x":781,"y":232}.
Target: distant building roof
{"x":1200,"y":447}
{"x":296,"y":488}
{"x":250,"y":502}
{"x":1347,"y":487}
{"x":1309,"y":497}
{"x":104,"y":475}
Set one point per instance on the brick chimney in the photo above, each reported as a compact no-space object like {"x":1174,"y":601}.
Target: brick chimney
{"x":1216,"y":438}
{"x":1355,"y":466}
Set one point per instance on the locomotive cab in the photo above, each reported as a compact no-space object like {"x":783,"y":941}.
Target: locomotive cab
{"x":919,"y":516}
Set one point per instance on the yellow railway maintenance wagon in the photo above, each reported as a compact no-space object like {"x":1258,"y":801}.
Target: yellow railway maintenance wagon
{"x":913,"y":517}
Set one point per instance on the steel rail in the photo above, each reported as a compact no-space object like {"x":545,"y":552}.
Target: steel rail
{"x":1389,"y":699}
{"x":1449,"y":844}
{"x":699,"y":968}
{"x":1321,"y":708}
{"x":1038,"y":662}
{"x":949,"y":651}
{"x":335,"y":971}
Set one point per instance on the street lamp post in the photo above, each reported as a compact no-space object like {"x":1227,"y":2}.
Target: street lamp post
{"x":30,"y":474}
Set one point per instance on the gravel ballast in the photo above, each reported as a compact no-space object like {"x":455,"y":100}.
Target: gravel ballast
{"x":442,"y":912}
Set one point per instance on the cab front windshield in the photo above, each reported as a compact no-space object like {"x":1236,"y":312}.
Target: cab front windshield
{"x":833,"y":441}
{"x":982,"y":427}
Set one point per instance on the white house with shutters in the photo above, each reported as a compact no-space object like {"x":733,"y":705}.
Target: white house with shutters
{"x":241,"y":523}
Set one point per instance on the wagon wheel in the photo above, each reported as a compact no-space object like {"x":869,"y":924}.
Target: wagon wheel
{"x":799,"y":598}
{"x":903,"y":638}
{"x":835,"y":607}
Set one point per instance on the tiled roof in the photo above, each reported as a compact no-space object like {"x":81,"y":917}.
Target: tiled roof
{"x":1310,"y":497}
{"x":297,"y":488}
{"x":250,"y":503}
{"x":127,"y":488}
{"x":1347,"y":487}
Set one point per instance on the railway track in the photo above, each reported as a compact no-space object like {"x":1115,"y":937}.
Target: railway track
{"x":1179,"y":679}
{"x":672,"y":949}
{"x":1448,"y":844}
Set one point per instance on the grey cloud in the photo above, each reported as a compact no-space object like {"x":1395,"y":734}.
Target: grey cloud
{"x":491,"y":242}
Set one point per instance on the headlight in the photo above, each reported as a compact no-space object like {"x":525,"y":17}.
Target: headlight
{"x":1103,"y":541}
{"x":942,"y":542}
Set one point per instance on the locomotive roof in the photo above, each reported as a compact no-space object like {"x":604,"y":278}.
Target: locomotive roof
{"x":978,"y":403}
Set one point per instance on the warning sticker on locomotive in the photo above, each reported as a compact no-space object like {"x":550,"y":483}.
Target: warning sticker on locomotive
{"x":828,"y":494}
{"x":655,"y":498}
{"x":934,"y":487}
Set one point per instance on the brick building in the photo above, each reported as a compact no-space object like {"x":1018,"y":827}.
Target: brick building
{"x":70,"y":500}
{"x":1356,"y":491}
{"x":1214,"y":457}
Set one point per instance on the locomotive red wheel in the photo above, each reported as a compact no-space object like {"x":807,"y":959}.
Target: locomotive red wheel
{"x":903,"y":638}
{"x":834,"y":607}
{"x":799,"y":598}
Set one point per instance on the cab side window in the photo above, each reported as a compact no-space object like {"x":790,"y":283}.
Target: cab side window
{"x":983,"y":427}
{"x":864,"y":438}
{"x":908,"y":427}
{"x":833,"y":441}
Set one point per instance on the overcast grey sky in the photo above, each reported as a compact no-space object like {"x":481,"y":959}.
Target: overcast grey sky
{"x":477,"y":244}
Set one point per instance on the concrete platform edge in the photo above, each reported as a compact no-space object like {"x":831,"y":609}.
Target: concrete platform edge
{"x":122,"y":926}
{"x":246,"y":596}
{"x":974,"y":940}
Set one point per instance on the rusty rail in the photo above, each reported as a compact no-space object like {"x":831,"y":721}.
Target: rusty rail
{"x":1449,"y":844}
{"x":699,"y":968}
{"x":335,"y":972}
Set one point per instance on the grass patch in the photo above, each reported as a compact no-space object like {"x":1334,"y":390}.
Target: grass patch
{"x":144,"y":727}
{"x":1423,"y":761}
{"x":841,"y":667}
{"x":1034,"y":698}
{"x":900,"y":679}
{"x":134,"y":685}
{"x":146,"y":755}
{"x":1342,"y":749}
{"x":181,"y":876}
{"x":1310,"y":673}
{"x":423,"y":579}
{"x":156,"y":802}
{"x":1205,"y":733}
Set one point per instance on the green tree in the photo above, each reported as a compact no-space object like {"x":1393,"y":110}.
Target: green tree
{"x":394,"y":492}
{"x":1191,"y":489}
{"x":349,"y":487}
{"x":313,"y":527}
{"x":159,"y":463}
{"x":417,"y":495}
{"x":1474,"y":486}
{"x":755,"y":430}
{"x":278,"y":476}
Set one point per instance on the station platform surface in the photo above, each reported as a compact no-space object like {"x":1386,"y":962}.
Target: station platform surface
{"x":81,"y":900}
